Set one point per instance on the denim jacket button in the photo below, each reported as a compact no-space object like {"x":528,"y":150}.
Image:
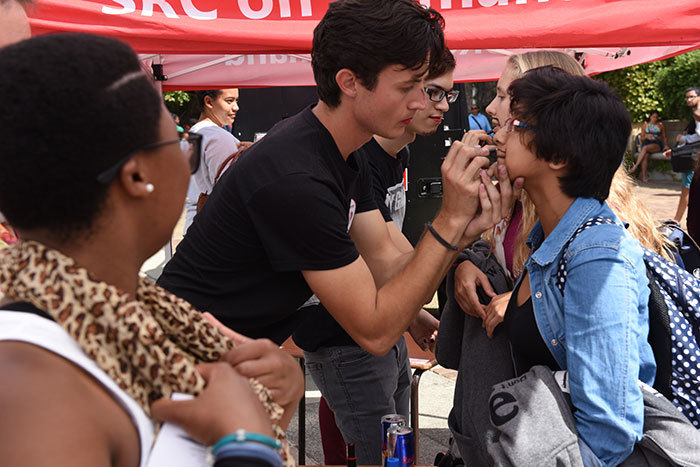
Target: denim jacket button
{"x":538,"y":295}
{"x":554,"y":342}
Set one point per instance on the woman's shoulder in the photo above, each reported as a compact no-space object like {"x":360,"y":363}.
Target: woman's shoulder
{"x":54,"y":400}
{"x":607,"y":242}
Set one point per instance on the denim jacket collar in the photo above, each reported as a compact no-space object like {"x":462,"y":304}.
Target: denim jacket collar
{"x":547,"y":250}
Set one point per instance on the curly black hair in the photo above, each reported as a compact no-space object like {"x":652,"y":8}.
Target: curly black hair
{"x":366,"y":36}
{"x":75,"y":104}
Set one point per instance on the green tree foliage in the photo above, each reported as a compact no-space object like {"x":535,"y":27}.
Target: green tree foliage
{"x":657,"y":85}
{"x":675,"y":79}
{"x":176,"y":101}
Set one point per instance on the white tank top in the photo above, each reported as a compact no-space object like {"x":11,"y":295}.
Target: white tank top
{"x":33,"y":329}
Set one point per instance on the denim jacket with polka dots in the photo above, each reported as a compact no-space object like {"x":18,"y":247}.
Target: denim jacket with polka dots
{"x":597,"y":329}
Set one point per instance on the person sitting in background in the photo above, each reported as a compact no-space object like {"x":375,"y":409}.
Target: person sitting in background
{"x":653,"y":137}
{"x":89,"y":351}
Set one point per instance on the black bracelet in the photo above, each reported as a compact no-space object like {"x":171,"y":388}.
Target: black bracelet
{"x":437,"y":236}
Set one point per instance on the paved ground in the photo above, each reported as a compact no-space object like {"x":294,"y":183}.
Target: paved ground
{"x":437,"y":386}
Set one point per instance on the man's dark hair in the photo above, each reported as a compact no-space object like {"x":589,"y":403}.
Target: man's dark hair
{"x":579,"y":121}
{"x":88,"y":110}
{"x":693,"y":88}
{"x":366,"y":36}
{"x":444,"y":65}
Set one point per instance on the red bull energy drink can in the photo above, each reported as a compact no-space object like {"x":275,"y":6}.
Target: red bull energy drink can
{"x":389,"y":422}
{"x":400,"y":444}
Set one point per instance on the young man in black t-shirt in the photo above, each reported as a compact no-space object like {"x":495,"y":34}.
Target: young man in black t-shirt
{"x":291,"y":217}
{"x":348,"y":376}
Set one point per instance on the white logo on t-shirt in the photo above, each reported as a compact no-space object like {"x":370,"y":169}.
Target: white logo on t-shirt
{"x":351,"y":213}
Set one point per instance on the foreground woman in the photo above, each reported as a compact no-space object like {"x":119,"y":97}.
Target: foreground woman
{"x":94,"y":184}
{"x":595,"y":326}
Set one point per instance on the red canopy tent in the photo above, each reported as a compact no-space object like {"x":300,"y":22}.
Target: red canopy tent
{"x":224,"y":43}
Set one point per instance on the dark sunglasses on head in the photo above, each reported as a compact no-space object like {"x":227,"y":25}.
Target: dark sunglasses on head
{"x":191,"y":147}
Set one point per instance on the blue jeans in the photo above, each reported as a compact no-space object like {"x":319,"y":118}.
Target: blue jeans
{"x":360,"y":388}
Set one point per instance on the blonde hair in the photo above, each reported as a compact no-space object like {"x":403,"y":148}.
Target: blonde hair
{"x":630,"y":209}
{"x":622,"y":199}
{"x":518,"y":64}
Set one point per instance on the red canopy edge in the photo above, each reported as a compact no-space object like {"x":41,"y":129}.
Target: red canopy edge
{"x":286,"y":26}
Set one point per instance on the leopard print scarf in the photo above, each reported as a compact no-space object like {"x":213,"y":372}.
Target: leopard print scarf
{"x":148,"y":346}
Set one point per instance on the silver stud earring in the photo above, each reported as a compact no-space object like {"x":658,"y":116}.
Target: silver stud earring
{"x":150,"y":188}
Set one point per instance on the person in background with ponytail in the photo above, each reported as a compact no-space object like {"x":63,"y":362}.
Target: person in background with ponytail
{"x":218,"y":108}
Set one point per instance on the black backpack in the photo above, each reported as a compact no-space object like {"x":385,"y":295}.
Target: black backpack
{"x":674,"y":326}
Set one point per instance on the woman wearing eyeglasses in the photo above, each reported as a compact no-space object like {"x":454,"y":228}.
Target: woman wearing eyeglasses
{"x":90,"y":353}
{"x":587,"y":313}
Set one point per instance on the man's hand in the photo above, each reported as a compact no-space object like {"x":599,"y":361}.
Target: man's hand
{"x":481,"y":136}
{"x":424,"y":330}
{"x":227,"y":404}
{"x":495,"y":311}
{"x":467,"y":278}
{"x":461,"y":180}
{"x":264,"y":360}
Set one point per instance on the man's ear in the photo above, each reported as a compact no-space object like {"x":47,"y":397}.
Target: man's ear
{"x":134,"y":179}
{"x":347,"y":82}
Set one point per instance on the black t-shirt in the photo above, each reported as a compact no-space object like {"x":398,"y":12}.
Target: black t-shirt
{"x":529,"y":348}
{"x":320,"y":329}
{"x":285,"y":206}
{"x":387,"y":181}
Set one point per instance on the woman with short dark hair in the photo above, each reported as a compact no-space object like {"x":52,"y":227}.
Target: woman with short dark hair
{"x":588,"y":312}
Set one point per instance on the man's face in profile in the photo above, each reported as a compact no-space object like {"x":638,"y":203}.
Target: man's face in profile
{"x":14,"y":25}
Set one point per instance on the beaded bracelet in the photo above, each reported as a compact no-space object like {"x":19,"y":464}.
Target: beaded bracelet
{"x":250,"y":450}
{"x":241,"y":435}
{"x":441,"y":240}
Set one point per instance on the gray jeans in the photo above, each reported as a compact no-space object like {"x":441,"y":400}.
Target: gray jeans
{"x":359,"y":388}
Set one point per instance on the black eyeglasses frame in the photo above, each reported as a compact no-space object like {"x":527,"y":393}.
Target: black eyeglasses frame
{"x":194,"y":139}
{"x":451,"y":95}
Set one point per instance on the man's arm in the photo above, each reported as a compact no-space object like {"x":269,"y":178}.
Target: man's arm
{"x":377,"y":317}
{"x":381,"y":244}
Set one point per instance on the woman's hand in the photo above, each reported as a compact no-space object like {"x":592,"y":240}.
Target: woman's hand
{"x":495,"y":311}
{"x":227,"y":404}
{"x":467,"y":278}
{"x":264,"y":360}
{"x":424,"y":330}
